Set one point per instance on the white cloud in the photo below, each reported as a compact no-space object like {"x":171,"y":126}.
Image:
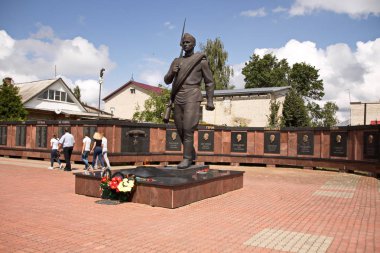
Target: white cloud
{"x":6,"y":45}
{"x":44,"y":32}
{"x":344,"y":72}
{"x":238,"y":79}
{"x":77,"y":60}
{"x":354,"y":8}
{"x":169,"y":25}
{"x":152,"y":71}
{"x":254,"y":13}
{"x":151,"y":77}
{"x":279,"y":9}
{"x":34,"y":59}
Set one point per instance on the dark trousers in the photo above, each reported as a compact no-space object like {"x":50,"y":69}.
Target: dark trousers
{"x":97,"y":154}
{"x":67,"y":151}
{"x":186,"y":119}
{"x":54,"y":157}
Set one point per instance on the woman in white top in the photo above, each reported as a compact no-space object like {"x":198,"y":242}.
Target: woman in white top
{"x":54,"y":155}
{"x":104,"y":153}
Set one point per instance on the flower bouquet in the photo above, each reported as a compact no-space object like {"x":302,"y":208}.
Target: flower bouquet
{"x":118,"y":188}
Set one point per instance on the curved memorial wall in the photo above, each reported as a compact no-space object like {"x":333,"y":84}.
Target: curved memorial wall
{"x":344,"y":148}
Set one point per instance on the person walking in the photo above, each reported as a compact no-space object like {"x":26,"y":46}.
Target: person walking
{"x":97,"y":149}
{"x":67,"y":144}
{"x":54,"y":154}
{"x":105,"y":150}
{"x":86,"y":147}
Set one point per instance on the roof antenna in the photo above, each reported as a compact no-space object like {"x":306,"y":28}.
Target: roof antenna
{"x":132,"y":77}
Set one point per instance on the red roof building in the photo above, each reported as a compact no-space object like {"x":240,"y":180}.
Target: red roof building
{"x":129,"y":98}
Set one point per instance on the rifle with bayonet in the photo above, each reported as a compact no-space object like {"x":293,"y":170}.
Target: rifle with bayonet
{"x":169,"y":105}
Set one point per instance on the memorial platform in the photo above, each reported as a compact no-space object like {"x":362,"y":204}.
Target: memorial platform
{"x":168,"y":187}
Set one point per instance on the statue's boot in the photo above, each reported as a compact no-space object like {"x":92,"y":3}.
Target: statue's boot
{"x":186,"y":163}
{"x":188,"y":155}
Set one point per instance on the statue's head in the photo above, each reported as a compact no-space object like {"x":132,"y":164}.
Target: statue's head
{"x":187,"y":37}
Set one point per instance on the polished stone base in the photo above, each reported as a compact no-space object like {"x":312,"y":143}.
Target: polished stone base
{"x":168,"y":187}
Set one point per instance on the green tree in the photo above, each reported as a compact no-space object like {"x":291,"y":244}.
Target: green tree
{"x":294,"y":113}
{"x":217,"y":58}
{"x":265,"y":72}
{"x":11,"y":107}
{"x":305,"y":80}
{"x":329,"y":118}
{"x":323,"y":116}
{"x":154,"y":107}
{"x":77,"y":93}
{"x":315,"y":112}
{"x":273,"y":118}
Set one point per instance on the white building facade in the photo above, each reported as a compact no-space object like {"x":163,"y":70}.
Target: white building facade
{"x":365,"y":113}
{"x":128,"y":99}
{"x":244,"y":107}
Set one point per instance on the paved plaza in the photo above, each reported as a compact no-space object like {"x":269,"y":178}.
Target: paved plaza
{"x":277,"y":210}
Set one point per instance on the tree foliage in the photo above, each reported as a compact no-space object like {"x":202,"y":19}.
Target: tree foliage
{"x":11,"y":107}
{"x":154,"y":107}
{"x":305,"y":80}
{"x":265,"y":72}
{"x":294,"y":113}
{"x":329,"y":118}
{"x":306,"y":86}
{"x":323,"y":116}
{"x":217,"y":58}
{"x":273,"y":118}
{"x":77,"y":93}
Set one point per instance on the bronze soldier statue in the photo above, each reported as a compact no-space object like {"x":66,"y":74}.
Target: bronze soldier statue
{"x":188,"y":72}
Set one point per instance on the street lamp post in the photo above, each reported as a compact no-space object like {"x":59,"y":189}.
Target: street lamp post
{"x":349,"y":105}
{"x":100,"y":89}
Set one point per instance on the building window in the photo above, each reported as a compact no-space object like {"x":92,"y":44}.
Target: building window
{"x":133,"y":90}
{"x":56,"y":95}
{"x":89,"y":131}
{"x":41,"y":136}
{"x":20,"y":135}
{"x":3,"y":135}
{"x":63,"y":96}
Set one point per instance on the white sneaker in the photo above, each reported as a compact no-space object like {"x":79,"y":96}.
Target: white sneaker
{"x":50,"y":168}
{"x":60,"y":166}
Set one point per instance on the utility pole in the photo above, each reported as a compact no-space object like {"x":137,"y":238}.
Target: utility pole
{"x":100,"y":89}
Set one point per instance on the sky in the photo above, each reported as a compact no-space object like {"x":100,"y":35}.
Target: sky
{"x":74,"y":39}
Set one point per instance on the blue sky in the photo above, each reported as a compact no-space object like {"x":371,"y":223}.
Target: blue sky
{"x":341,"y":38}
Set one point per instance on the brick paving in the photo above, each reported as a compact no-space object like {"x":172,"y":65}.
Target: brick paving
{"x":278,"y":210}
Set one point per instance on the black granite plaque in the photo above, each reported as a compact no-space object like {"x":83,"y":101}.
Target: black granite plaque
{"x":305,"y":143}
{"x":371,"y":145}
{"x":134,"y":140}
{"x":173,"y":142}
{"x":206,"y":141}
{"x":239,"y":142}
{"x":338,"y":144}
{"x":272,"y":142}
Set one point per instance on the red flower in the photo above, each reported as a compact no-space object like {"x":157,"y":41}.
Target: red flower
{"x":104,"y":179}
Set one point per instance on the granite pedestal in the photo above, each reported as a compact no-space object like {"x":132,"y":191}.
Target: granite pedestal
{"x":168,"y":187}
